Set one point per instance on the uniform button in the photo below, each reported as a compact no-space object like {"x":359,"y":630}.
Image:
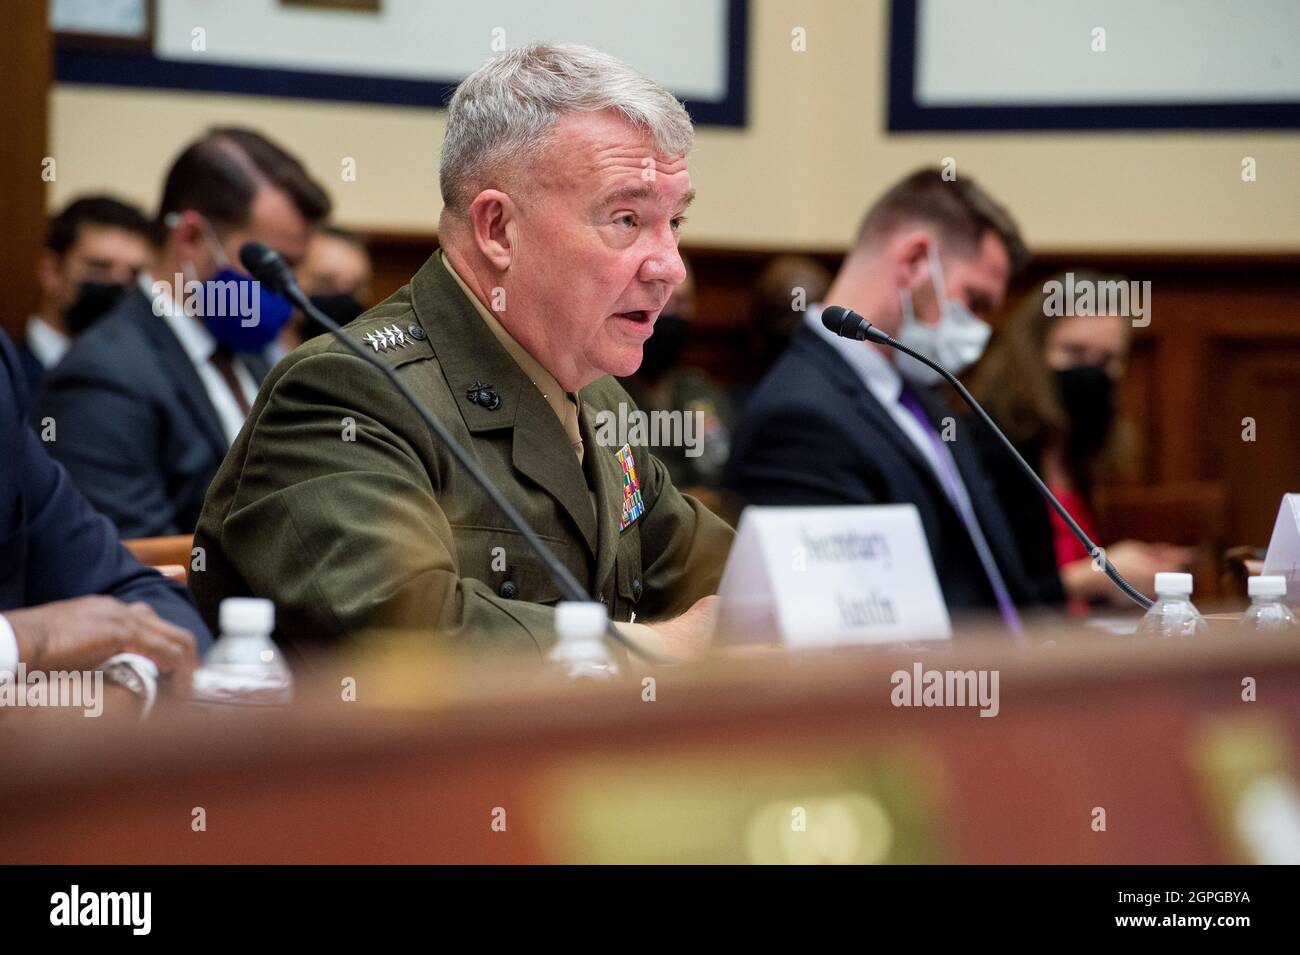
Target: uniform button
{"x":416,"y":332}
{"x":508,"y":590}
{"x":636,"y":588}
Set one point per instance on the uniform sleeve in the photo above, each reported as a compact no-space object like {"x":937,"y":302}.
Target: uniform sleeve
{"x":337,"y":519}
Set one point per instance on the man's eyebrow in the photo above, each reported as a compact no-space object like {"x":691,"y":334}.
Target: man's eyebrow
{"x":636,"y":193}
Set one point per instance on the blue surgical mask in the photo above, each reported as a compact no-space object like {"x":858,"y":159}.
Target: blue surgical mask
{"x":238,"y":310}
{"x":956,"y":341}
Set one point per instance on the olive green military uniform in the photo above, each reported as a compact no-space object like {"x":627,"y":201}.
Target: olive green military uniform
{"x":338,"y":504}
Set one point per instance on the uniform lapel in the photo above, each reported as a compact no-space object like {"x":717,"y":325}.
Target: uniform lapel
{"x":470,"y":358}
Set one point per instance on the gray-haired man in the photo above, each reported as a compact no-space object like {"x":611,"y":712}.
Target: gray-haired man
{"x":564,"y":182}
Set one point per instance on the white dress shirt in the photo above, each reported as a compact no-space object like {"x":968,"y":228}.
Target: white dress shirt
{"x":8,"y":648}
{"x":199,"y":345}
{"x":47,"y":343}
{"x":886,"y":384}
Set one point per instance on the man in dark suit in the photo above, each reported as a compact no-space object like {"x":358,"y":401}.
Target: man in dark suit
{"x":145,"y":405}
{"x":71,"y":597}
{"x":95,"y":248}
{"x":845,"y":422}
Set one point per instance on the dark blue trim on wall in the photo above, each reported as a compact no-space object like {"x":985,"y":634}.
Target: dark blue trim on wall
{"x":907,"y":115}
{"x":106,"y":68}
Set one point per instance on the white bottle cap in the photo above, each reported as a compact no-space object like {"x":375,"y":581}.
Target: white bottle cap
{"x":1175,"y":585}
{"x":1266,"y":586}
{"x":580,"y":619}
{"x":246,"y":615}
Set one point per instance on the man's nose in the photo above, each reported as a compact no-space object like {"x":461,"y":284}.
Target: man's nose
{"x":664,"y":264}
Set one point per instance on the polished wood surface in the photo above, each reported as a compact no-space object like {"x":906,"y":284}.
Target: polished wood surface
{"x":418,"y":769}
{"x":168,"y":554}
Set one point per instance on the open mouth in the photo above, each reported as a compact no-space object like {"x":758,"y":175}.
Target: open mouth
{"x":639,"y":315}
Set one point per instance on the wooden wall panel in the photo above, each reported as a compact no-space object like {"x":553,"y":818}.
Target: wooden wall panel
{"x":25,"y":51}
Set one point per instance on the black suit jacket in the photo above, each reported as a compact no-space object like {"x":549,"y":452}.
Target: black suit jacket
{"x":53,"y":546}
{"x":814,"y":434}
{"x":134,"y":425}
{"x":31,"y":366}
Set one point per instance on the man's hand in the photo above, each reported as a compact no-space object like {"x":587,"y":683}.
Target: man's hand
{"x":689,"y":636}
{"x":82,"y":633}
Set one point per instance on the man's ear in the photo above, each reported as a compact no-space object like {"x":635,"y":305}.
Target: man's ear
{"x":186,"y":238}
{"x":492,"y":219}
{"x":909,"y":257}
{"x":48,"y":274}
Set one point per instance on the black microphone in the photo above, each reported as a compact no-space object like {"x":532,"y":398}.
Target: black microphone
{"x":268,"y":267}
{"x":849,"y":324}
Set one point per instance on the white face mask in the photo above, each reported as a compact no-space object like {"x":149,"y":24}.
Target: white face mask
{"x":956,"y":341}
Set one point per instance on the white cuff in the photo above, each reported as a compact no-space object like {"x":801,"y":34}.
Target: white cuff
{"x":8,"y":648}
{"x":145,"y":669}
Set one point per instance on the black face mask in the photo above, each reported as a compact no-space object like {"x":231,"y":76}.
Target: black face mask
{"x":1088,"y":394}
{"x":94,"y":299}
{"x":662,"y":349}
{"x":343,"y":308}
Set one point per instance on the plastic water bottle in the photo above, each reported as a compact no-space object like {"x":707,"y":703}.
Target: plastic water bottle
{"x":581,"y":650}
{"x":244,"y":665}
{"x":1172,"y":615}
{"x":1268,"y":613}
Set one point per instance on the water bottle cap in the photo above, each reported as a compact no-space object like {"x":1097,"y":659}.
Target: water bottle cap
{"x":579,"y":620}
{"x":1176,"y":585}
{"x":1266,"y":586}
{"x":246,"y":615}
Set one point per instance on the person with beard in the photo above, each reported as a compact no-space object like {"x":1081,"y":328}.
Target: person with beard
{"x":664,"y":383}
{"x":95,"y":248}
{"x":1052,"y":383}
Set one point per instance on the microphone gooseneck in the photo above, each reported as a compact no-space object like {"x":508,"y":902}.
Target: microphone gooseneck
{"x":849,"y":324}
{"x":268,"y":267}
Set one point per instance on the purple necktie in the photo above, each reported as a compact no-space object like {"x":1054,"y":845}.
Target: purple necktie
{"x":951,"y":485}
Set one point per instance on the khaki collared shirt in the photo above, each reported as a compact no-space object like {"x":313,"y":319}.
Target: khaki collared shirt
{"x":564,"y":405}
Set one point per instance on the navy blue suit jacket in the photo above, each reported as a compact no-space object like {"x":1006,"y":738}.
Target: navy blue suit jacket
{"x":53,"y":544}
{"x":813,"y":434}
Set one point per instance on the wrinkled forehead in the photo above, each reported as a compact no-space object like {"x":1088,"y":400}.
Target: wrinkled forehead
{"x":599,"y":157}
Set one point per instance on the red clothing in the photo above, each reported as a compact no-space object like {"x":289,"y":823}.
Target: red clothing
{"x":1068,"y":548}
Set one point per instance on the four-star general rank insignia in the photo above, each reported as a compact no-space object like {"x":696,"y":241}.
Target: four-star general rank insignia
{"x":382,"y":339}
{"x":633,"y":505}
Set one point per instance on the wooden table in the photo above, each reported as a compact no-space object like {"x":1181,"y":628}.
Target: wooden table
{"x":754,"y":756}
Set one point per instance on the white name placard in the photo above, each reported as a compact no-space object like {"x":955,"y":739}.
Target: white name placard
{"x":1283,"y":557}
{"x":831,"y":576}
